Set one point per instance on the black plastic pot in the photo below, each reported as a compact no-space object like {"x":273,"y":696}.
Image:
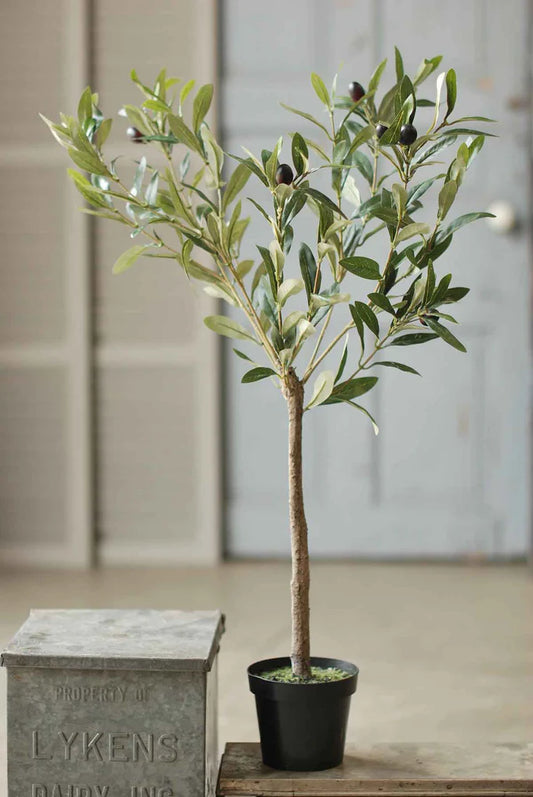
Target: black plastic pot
{"x":302,"y":726}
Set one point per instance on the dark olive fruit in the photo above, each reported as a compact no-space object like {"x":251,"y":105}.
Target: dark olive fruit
{"x":135,"y":135}
{"x":356,"y":91}
{"x":408,"y":135}
{"x":428,"y":315}
{"x":380,"y":129}
{"x":284,"y":174}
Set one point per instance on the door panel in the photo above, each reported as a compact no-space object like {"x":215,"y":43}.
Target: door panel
{"x":448,"y":474}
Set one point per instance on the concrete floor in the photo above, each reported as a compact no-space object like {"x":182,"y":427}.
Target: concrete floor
{"x":445,"y":651}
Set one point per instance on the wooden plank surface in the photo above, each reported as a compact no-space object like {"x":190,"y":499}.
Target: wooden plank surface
{"x":388,"y":769}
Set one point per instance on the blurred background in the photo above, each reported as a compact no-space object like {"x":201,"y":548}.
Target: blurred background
{"x":127,"y":443}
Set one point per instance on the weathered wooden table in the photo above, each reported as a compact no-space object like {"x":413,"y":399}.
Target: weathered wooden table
{"x":388,"y":770}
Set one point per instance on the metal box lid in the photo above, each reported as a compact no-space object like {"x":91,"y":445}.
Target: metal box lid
{"x":117,"y":639}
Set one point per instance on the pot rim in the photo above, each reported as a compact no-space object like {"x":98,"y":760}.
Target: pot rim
{"x":260,"y":685}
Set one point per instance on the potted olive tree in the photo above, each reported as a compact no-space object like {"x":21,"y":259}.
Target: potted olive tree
{"x":381,"y":169}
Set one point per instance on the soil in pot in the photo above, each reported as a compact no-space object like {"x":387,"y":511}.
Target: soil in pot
{"x":302,"y":725}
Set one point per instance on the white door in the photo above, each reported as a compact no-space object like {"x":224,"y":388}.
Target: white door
{"x":449,"y":473}
{"x":108,"y":386}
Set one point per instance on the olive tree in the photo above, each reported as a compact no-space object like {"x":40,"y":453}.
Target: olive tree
{"x":382,"y":171}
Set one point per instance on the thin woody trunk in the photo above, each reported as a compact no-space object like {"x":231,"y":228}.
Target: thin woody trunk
{"x":294,"y":394}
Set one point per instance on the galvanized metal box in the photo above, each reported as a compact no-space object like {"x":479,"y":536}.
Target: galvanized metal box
{"x":113,"y":704}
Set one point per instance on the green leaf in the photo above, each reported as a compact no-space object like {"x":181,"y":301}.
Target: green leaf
{"x":362,"y":267}
{"x":411,"y":340}
{"x":255,"y":374}
{"x":364,"y":166}
{"x":400,"y":198}
{"x":253,"y":167}
{"x":374,"y":81}
{"x":270,"y":268}
{"x":416,"y":228}
{"x":461,"y":221}
{"x":308,"y":268}
{"x":242,"y":355}
{"x":342,"y":363}
{"x":185,"y":91}
{"x":400,"y":366}
{"x":322,"y":388}
{"x":322,"y":199}
{"x":444,"y":333}
{"x":352,"y":388}
{"x":320,"y":89}
{"x":441,"y":290}
{"x":307,"y":116}
{"x":366,"y":315}
{"x":235,"y":184}
{"x":244,"y":267}
{"x":227,"y":327}
{"x":360,"y":138}
{"x":201,"y":105}
{"x":103,"y":132}
{"x":300,"y":153}
{"x":85,"y":107}
{"x":446,"y":198}
{"x":183,"y":134}
{"x":382,"y":302}
{"x":399,"y":64}
{"x":128,"y":258}
{"x":365,"y":412}
{"x":455,"y":294}
{"x":451,"y":91}
{"x":425,"y":69}
{"x":88,"y":192}
{"x":88,"y":163}
{"x":472,"y":119}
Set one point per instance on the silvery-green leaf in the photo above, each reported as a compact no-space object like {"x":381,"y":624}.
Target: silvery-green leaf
{"x":218,"y":292}
{"x":185,"y":91}
{"x":278,"y":258}
{"x":467,"y":218}
{"x":440,"y":82}
{"x":201,"y":105}
{"x":291,"y":320}
{"x":350,"y":192}
{"x":128,"y":258}
{"x":227,"y":327}
{"x":416,"y":228}
{"x":322,"y":388}
{"x":235,"y":184}
{"x":320,"y":89}
{"x":183,"y":134}
{"x":304,"y":330}
{"x":446,"y":198}
{"x":244,"y":267}
{"x":400,"y":198}
{"x":289,"y":288}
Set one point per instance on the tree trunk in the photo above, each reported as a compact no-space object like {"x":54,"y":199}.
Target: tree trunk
{"x":300,"y":656}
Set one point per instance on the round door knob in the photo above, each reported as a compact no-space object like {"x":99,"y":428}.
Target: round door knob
{"x":505,"y":220}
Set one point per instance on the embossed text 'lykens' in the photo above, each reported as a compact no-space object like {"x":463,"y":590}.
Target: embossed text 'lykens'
{"x":101,"y":746}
